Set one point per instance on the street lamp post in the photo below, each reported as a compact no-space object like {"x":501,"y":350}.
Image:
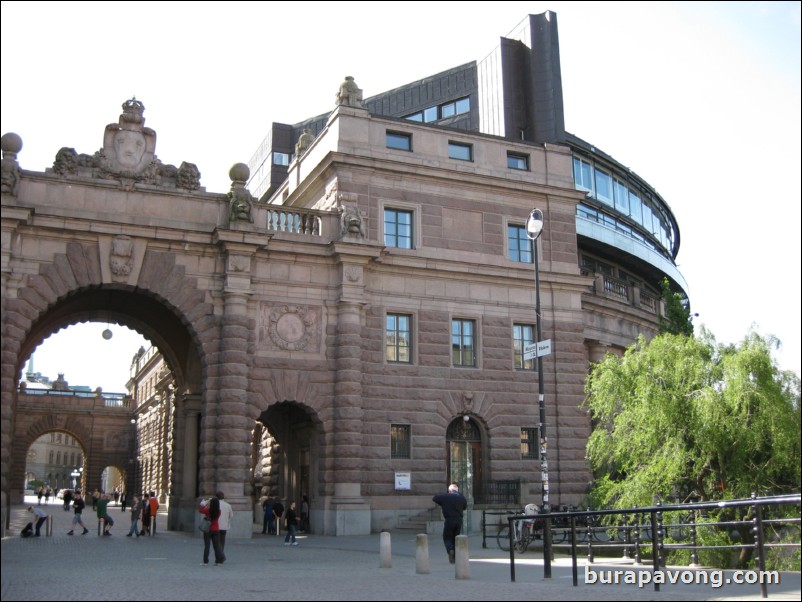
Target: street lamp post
{"x":534,"y":228}
{"x":75,"y":474}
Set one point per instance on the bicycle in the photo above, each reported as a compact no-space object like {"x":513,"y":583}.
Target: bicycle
{"x":526,"y":531}
{"x":523,"y":535}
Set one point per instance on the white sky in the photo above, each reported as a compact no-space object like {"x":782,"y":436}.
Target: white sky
{"x":702,"y":99}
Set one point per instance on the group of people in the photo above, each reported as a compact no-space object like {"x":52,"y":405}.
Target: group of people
{"x":144,"y":509}
{"x":274,"y":513}
{"x":220,"y":514}
{"x":141,"y":510}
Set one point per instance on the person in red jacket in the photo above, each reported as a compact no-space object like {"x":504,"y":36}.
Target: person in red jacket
{"x":154,"y":508}
{"x":210,"y":509}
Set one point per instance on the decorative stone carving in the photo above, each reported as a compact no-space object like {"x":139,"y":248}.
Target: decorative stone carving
{"x":115,"y":441}
{"x":353,"y":274}
{"x":60,"y":384}
{"x":188,"y":176}
{"x":11,"y":145}
{"x":128,"y":155}
{"x":304,"y":142}
{"x":290,"y":327}
{"x":121,"y":259}
{"x":467,"y":402}
{"x":128,"y":146}
{"x":349,"y":94}
{"x":239,"y":263}
{"x":351,"y":223}
{"x":240,"y":201}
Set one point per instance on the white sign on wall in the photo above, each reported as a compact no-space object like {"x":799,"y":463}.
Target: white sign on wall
{"x":403,"y":481}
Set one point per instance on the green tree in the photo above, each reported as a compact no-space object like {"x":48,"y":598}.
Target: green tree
{"x":678,"y":314}
{"x":680,"y":414}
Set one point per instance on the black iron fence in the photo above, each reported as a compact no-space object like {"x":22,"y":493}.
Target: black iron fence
{"x":648,"y":534}
{"x":501,"y":493}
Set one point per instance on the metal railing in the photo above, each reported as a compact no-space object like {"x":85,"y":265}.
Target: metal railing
{"x":112,"y":400}
{"x":640,"y":530}
{"x":503,"y":492}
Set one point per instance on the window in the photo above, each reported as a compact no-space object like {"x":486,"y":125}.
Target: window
{"x":517,"y":161}
{"x":281,"y":158}
{"x":399,"y":141}
{"x":463,"y":152}
{"x":582,"y":175}
{"x":604,"y":186}
{"x":443,"y":111}
{"x":400,"y":441}
{"x":622,"y":196}
{"x":530,"y":448}
{"x":398,"y":228}
{"x":397,"y":337}
{"x":522,"y":335}
{"x":463,"y":344}
{"x":519,"y":245}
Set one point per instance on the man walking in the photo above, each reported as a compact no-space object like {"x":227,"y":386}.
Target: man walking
{"x":453,"y":505}
{"x":78,"y":505}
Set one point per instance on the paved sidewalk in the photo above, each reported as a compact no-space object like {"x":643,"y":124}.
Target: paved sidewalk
{"x":167,"y":567}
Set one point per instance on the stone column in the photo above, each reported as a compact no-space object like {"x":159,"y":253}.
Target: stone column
{"x":228,"y":427}
{"x":350,"y":513}
{"x":184,"y":480}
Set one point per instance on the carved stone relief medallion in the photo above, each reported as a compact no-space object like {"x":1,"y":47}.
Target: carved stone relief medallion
{"x":291,"y":327}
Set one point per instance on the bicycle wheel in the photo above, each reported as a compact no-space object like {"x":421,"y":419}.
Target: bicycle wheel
{"x":503,"y":538}
{"x":522,"y":544}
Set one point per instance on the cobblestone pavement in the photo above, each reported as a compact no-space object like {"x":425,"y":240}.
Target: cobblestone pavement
{"x":167,"y":567}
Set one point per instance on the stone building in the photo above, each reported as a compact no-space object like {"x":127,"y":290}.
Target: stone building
{"x":151,"y":388}
{"x":357,"y":331}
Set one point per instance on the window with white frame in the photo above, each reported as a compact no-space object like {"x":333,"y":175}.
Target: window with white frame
{"x":522,"y":335}
{"x":398,"y":228}
{"x":398,"y":338}
{"x":463,"y":343}
{"x":519,"y":245}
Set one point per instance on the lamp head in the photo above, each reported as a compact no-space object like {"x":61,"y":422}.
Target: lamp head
{"x":534,"y":224}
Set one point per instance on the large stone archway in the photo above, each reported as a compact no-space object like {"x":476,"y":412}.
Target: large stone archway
{"x":165,"y":305}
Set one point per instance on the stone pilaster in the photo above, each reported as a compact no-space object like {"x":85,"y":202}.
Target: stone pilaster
{"x":351,"y":513}
{"x":228,"y":426}
{"x":184,"y":478}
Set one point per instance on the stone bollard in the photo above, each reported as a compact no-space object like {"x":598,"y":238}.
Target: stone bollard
{"x":385,"y":551}
{"x":422,"y":554}
{"x":461,"y":569}
{"x":49,"y":526}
